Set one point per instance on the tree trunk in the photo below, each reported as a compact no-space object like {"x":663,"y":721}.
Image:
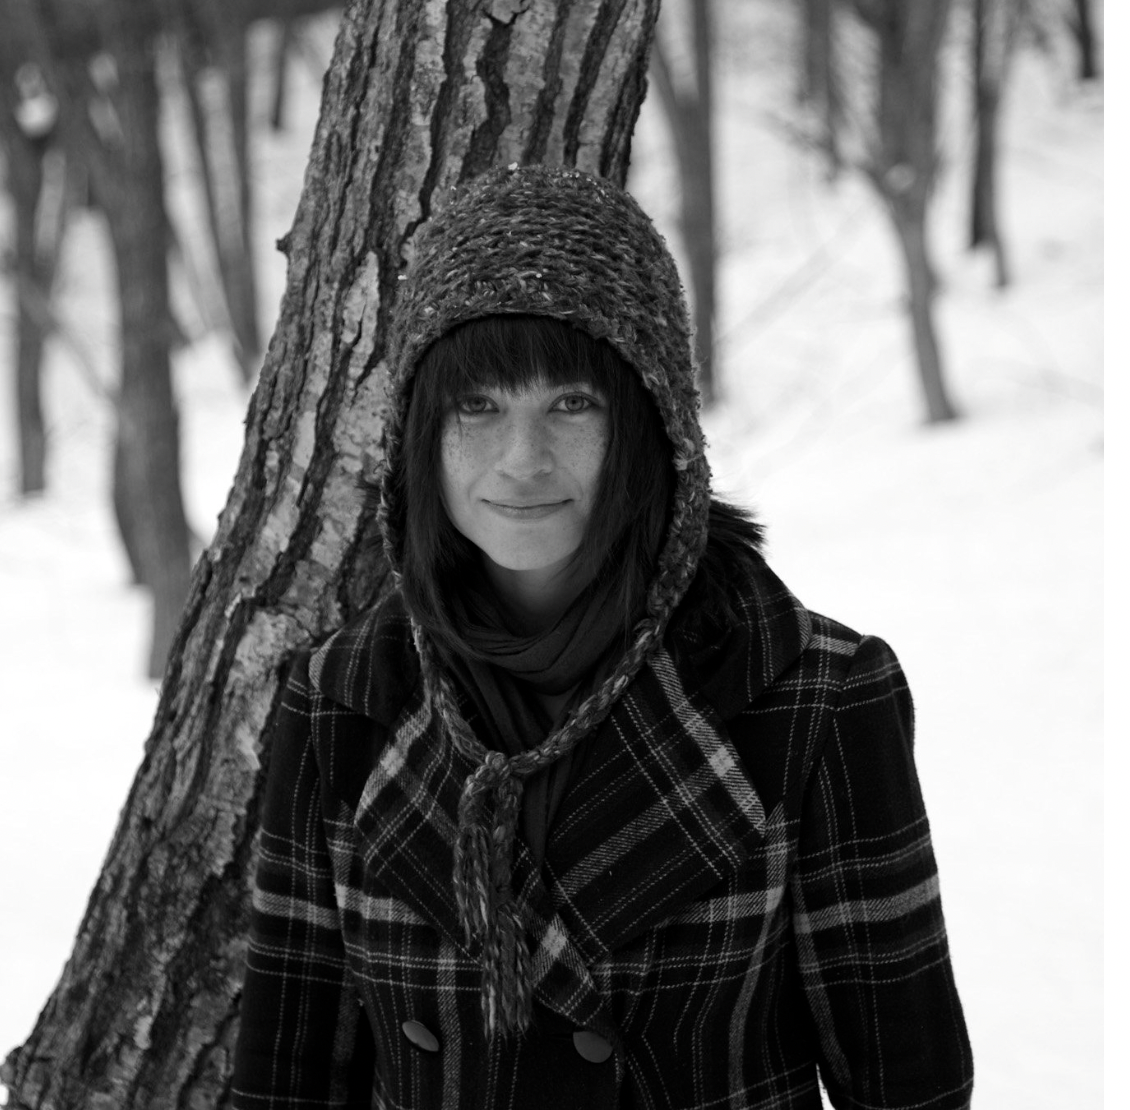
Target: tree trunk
{"x":212,"y":41}
{"x":145,"y":1013}
{"x":819,"y":88}
{"x":690,"y":114}
{"x":147,"y":454}
{"x":1083,"y":28}
{"x":127,"y":514}
{"x":25,"y":180}
{"x":108,"y":122}
{"x":908,"y":37}
{"x":698,"y":200}
{"x":29,"y":404}
{"x":244,"y":293}
{"x":984,"y":225}
{"x":910,"y":227}
{"x":280,"y":73}
{"x":994,"y":25}
{"x":36,"y":183}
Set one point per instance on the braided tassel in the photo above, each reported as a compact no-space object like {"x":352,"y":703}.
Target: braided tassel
{"x":488,"y":819}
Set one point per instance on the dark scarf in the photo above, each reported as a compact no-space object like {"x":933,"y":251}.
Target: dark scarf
{"x":507,"y":670}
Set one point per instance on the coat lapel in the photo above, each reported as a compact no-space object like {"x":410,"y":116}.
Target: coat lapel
{"x":407,"y":814}
{"x":664,"y":809}
{"x":406,"y":822}
{"x":388,"y":765}
{"x":662,"y":812}
{"x":406,"y":811}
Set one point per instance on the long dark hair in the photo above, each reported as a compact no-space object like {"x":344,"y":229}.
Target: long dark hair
{"x":624,"y":533}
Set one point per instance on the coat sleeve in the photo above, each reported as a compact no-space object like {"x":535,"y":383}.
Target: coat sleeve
{"x":303,"y":1038}
{"x":868,"y":923}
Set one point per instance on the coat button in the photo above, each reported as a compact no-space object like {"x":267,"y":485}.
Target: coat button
{"x":421,"y":1036}
{"x":591,"y":1046}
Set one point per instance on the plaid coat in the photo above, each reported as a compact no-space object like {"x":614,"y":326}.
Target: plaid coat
{"x":739,"y":890}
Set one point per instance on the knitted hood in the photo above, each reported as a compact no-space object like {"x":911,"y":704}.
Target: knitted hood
{"x":557,"y":242}
{"x":565,"y":244}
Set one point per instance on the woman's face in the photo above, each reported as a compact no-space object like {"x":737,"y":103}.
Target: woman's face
{"x":520,"y":471}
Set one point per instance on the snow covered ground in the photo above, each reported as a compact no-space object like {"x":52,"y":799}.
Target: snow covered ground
{"x":975,"y":549}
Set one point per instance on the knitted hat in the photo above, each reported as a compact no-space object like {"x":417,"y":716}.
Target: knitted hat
{"x":560,"y":243}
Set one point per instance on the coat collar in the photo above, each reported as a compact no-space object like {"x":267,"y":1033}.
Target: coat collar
{"x":662,"y":810}
{"x":370,"y":665}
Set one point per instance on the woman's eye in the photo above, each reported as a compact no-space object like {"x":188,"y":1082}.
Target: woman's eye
{"x":473,"y":404}
{"x":575,"y":402}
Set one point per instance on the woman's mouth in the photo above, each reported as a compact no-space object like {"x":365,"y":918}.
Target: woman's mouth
{"x":526,"y":511}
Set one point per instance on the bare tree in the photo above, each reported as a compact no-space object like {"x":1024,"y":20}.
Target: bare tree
{"x":876,"y":109}
{"x":210,"y":37}
{"x":420,"y":95}
{"x":995,"y":27}
{"x":1082,"y":24}
{"x":819,"y":85}
{"x":901,"y":158}
{"x":211,"y":41}
{"x":279,"y":74}
{"x":37,"y":183}
{"x":100,"y":63}
{"x":688,"y":107}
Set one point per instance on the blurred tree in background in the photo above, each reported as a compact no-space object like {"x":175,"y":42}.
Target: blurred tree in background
{"x":687,"y":99}
{"x":37,"y":180}
{"x":80,"y":88}
{"x":871,"y":74}
{"x":210,"y":41}
{"x":417,"y":98}
{"x":97,"y":66}
{"x":872,"y":78}
{"x":903,"y":157}
{"x":99,"y":63}
{"x":996,"y":24}
{"x":819,"y":85}
{"x":1081,"y":20}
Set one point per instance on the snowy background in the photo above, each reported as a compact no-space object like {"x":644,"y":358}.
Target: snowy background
{"x":975,"y":548}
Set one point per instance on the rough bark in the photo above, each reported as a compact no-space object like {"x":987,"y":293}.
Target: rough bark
{"x":145,"y":1014}
{"x":904,"y":159}
{"x":690,"y":114}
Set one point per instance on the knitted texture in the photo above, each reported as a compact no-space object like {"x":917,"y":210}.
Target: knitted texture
{"x":564,"y":244}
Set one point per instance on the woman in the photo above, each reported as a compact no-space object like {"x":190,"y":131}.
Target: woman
{"x":589,"y":810}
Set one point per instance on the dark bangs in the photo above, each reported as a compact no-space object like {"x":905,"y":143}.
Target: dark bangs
{"x":516,"y":352}
{"x":629,"y":519}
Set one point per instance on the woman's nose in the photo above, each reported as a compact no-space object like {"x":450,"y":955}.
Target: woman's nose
{"x":525,"y":450}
